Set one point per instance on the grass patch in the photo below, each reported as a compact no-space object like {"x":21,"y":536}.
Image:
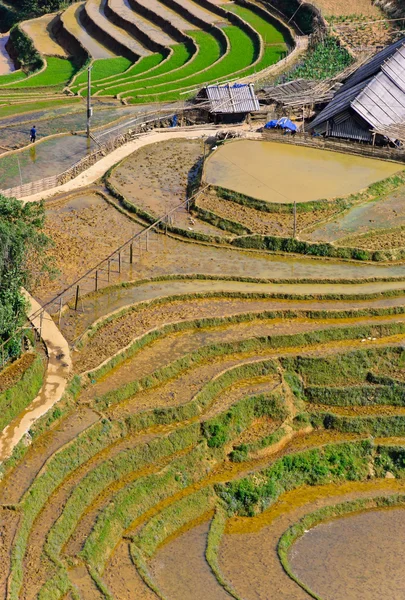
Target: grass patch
{"x":105,"y":67}
{"x":58,"y":71}
{"x":215,"y":534}
{"x":210,"y":50}
{"x":243,"y":52}
{"x":347,"y":461}
{"x":268,"y":32}
{"x":110,"y":472}
{"x":12,"y":77}
{"x":14,"y":400}
{"x":19,"y":109}
{"x":181,"y":55}
{"x":352,"y":368}
{"x":226,"y":426}
{"x":139,"y":497}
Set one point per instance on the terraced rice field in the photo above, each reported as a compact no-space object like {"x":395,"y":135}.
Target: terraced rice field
{"x":221,"y":403}
{"x":149,"y":51}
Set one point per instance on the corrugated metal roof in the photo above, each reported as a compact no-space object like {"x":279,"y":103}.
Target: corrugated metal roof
{"x":340,"y":103}
{"x":381,"y":102}
{"x":351,"y":130}
{"x":370,"y":68}
{"x":237,"y":98}
{"x":394,"y":68}
{"x":291,"y":87}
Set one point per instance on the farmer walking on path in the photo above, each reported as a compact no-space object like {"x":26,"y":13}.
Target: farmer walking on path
{"x":33,"y":134}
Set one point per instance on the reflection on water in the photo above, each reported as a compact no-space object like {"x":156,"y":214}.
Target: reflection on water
{"x":357,"y":557}
{"x":282,"y":173}
{"x":33,"y":153}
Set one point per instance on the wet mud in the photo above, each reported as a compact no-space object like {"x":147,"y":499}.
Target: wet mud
{"x":359,"y":556}
{"x":181,"y":571}
{"x":264,"y":170}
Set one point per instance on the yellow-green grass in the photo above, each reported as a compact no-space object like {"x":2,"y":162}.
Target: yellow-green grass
{"x":103,"y":68}
{"x":209,"y":52}
{"x":12,"y":77}
{"x":58,"y":71}
{"x":242,"y":53}
{"x":146,"y":70}
{"x":17,"y":398}
{"x":17,"y":109}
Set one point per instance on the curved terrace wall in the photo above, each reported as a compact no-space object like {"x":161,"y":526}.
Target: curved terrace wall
{"x":132,"y":28}
{"x":107,"y":38}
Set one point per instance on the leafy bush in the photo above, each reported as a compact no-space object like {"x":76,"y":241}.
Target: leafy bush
{"x":336,"y":462}
{"x":326,"y":59}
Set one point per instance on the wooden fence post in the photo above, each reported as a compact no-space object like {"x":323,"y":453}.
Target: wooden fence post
{"x":60,"y":309}
{"x":77,"y":297}
{"x":96,"y":282}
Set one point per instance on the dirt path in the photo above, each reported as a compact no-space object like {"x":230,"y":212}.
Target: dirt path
{"x":55,"y":381}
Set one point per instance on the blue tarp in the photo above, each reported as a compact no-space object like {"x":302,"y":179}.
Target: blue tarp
{"x":283,"y":123}
{"x":271,"y":124}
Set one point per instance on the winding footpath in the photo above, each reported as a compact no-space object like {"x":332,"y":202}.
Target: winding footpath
{"x":55,"y":380}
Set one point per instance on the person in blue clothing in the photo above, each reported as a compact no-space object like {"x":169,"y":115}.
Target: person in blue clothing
{"x":33,"y":134}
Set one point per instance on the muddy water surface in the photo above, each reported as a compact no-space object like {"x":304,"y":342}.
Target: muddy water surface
{"x":361,"y":556}
{"x":283,"y":173}
{"x":384,"y":213}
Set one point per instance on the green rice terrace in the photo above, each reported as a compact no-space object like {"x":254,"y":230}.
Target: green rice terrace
{"x":202,"y":332}
{"x":142,"y":51}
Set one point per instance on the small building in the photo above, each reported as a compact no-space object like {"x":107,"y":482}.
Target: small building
{"x":371,"y":101}
{"x":230,"y":103}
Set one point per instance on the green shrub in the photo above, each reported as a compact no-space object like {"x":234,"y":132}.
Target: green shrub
{"x":336,"y":462}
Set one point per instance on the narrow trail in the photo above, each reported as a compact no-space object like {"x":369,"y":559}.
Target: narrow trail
{"x":55,"y":381}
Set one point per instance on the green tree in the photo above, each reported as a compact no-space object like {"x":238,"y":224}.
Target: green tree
{"x":22,"y":243}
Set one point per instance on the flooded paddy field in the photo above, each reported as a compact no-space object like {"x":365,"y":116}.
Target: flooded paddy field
{"x":14,"y":132}
{"x":283,"y":173}
{"x":51,"y":157}
{"x":385,"y":213}
{"x":359,"y":556}
{"x":260,"y":575}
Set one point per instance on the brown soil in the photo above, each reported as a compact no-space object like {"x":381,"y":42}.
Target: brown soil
{"x":258,"y":430}
{"x":377,"y":240}
{"x":194,"y":581}
{"x":256,"y":539}
{"x":259,"y":221}
{"x":155,"y":179}
{"x":13,"y":373}
{"x":347,"y":7}
{"x":117,"y":334}
{"x":8,"y":525}
{"x":84,"y":230}
{"x":122,"y":577}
